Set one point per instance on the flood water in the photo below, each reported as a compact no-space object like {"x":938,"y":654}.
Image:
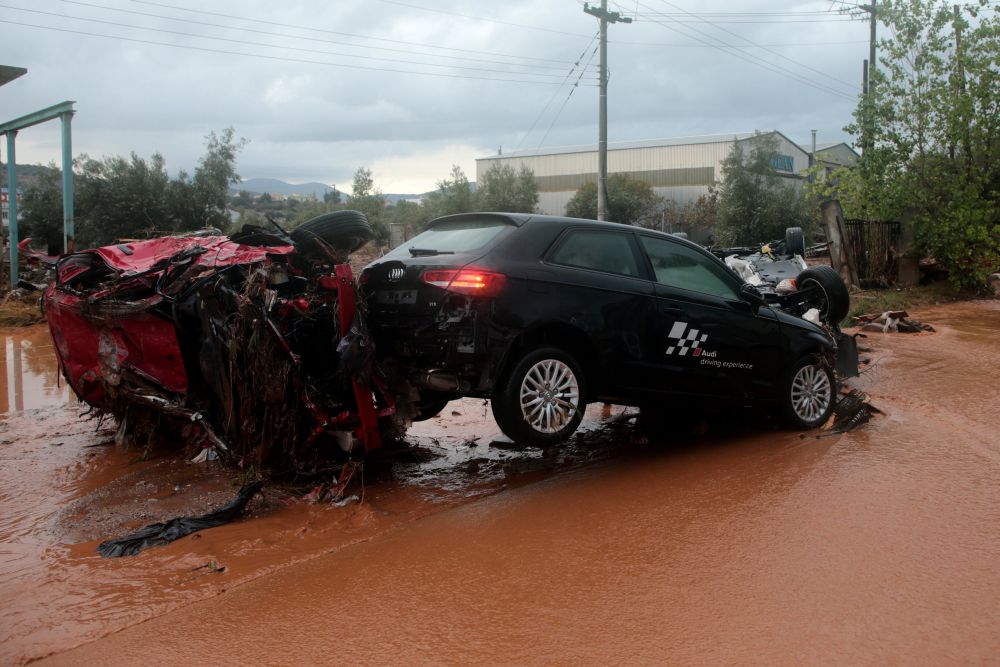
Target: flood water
{"x":29,"y":372}
{"x":741,"y":547}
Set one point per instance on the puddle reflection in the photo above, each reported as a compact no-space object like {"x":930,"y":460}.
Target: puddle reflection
{"x":30,"y":371}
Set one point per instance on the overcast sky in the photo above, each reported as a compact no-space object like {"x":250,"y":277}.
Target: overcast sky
{"x":407,"y":88}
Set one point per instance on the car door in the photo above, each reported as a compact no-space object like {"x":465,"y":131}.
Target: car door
{"x":604,"y":292}
{"x":707,"y":340}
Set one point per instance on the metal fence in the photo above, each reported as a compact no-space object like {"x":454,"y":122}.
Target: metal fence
{"x":874,"y":244}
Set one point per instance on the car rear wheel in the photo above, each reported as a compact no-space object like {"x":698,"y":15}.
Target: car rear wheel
{"x":541,"y":401}
{"x":809,"y":394}
{"x":829,"y":294}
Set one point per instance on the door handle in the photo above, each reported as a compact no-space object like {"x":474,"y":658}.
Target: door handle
{"x":671,"y":309}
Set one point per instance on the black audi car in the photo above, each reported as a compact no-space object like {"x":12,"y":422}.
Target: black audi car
{"x":544,"y":314}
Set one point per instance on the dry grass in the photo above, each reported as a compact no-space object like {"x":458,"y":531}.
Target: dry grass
{"x":17,"y":310}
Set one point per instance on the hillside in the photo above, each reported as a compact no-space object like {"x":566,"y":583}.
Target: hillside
{"x":278,"y":187}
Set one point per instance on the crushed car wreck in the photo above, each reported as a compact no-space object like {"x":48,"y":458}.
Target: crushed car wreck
{"x":254,"y":346}
{"x":544,"y":314}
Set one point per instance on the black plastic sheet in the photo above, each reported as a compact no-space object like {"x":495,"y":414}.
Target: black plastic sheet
{"x":158,"y":534}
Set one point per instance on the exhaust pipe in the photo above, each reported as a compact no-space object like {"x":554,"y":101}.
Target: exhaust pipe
{"x":441,"y":381}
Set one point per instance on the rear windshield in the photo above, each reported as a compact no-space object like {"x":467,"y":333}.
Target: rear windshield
{"x":456,"y":236}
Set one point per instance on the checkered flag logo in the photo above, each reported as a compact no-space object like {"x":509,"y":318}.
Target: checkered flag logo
{"x":681,"y":342}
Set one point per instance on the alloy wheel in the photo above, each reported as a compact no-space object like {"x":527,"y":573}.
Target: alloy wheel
{"x":550,"y":396}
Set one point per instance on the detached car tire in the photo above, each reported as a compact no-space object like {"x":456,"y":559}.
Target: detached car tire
{"x":795,"y":242}
{"x":809,"y":394}
{"x":830,"y":297}
{"x":541,"y":401}
{"x":345,"y":231}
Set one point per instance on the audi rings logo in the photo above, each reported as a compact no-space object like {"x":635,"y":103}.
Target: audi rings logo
{"x":395,"y":275}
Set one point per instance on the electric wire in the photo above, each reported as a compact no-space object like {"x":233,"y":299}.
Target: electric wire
{"x":321,"y":30}
{"x":555,"y":93}
{"x":751,"y":58}
{"x":276,"y":58}
{"x":276,"y":46}
{"x":851,"y":86}
{"x":482,"y":18}
{"x":756,"y":45}
{"x":282,"y":35}
{"x":566,"y":101}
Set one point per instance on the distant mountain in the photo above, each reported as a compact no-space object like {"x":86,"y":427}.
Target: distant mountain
{"x":28,"y":175}
{"x":276,"y":187}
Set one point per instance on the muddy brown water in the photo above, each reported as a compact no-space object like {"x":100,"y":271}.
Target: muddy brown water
{"x":746,"y":547}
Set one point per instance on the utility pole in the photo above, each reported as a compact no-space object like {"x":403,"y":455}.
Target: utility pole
{"x":869,"y":77}
{"x":605,"y":17}
{"x":872,"y":65}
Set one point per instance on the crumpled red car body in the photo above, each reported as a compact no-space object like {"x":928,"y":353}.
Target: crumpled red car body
{"x":94,"y":341}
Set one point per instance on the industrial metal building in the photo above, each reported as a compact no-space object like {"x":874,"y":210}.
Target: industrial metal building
{"x":680,"y":169}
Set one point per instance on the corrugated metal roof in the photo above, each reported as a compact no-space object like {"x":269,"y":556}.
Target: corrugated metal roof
{"x":834,"y":144}
{"x":624,"y":145}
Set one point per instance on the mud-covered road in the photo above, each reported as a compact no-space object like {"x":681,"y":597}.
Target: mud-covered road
{"x":747,"y":546}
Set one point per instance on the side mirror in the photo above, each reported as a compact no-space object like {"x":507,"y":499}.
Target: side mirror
{"x":752,"y":295}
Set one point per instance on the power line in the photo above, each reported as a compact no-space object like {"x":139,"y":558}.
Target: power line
{"x":482,"y":18}
{"x":748,"y":20}
{"x":796,"y":44}
{"x":772,"y":51}
{"x":749,"y":57}
{"x":320,"y":30}
{"x":276,"y":58}
{"x":300,"y":37}
{"x":565,"y":102}
{"x":556,"y":92}
{"x":277,"y":46}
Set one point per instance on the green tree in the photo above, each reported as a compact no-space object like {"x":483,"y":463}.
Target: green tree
{"x":41,"y":215}
{"x":631,"y":201}
{"x":242,"y":199}
{"x":411,"y":215}
{"x":931,"y":132}
{"x":503,"y":189}
{"x":368,"y":199}
{"x":698,"y":219}
{"x":332,"y":197}
{"x":118,"y":197}
{"x":453,"y":195}
{"x":755,"y":204}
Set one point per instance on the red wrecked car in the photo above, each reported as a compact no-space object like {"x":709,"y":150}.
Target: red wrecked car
{"x":253,"y":345}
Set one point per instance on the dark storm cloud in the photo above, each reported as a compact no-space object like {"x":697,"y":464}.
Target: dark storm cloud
{"x":308,"y":121}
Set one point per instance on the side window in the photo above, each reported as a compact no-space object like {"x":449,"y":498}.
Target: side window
{"x":610,"y":252}
{"x":679,"y":266}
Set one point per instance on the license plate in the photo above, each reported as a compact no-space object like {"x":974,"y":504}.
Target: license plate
{"x":396,"y":297}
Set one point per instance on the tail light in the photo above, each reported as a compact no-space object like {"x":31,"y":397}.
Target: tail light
{"x":471,"y":282}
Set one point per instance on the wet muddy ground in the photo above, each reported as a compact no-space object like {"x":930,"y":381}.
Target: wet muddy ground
{"x":739,"y":545}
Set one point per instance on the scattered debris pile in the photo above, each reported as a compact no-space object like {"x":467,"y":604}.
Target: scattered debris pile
{"x":891,"y":321}
{"x":852,"y":410}
{"x":251,"y":346}
{"x":19,"y":307}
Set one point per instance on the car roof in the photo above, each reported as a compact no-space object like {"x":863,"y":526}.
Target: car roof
{"x":521,"y":219}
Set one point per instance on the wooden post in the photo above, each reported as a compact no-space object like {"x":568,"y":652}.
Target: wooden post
{"x":840,"y":254}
